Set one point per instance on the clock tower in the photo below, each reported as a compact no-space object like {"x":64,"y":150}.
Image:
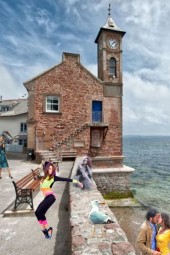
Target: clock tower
{"x":109,"y":51}
{"x":115,"y":179}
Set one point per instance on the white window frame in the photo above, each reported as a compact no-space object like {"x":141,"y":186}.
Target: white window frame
{"x":52,"y":104}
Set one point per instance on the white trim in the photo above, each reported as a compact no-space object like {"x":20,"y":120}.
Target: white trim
{"x":57,"y":98}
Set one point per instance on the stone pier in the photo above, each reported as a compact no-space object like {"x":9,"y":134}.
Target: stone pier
{"x":87,"y":238}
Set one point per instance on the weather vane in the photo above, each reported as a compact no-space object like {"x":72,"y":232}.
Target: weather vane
{"x":109,"y":10}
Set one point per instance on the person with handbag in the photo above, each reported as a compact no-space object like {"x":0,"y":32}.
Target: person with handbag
{"x":3,"y":158}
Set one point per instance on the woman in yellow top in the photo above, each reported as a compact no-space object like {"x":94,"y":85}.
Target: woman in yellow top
{"x":46,"y":187}
{"x":163,"y":236}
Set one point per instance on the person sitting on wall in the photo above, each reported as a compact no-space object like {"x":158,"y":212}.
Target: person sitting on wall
{"x":84,"y":173}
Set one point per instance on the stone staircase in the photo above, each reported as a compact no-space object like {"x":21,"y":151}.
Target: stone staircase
{"x":49,"y":156}
{"x":56,"y":154}
{"x":71,"y":136}
{"x":55,"y":157}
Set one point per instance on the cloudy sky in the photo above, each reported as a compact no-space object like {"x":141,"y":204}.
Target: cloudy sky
{"x":34,"y":33}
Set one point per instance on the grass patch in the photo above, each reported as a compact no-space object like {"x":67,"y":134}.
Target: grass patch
{"x":118,"y":195}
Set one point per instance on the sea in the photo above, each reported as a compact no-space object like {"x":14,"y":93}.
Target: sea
{"x":150,"y":157}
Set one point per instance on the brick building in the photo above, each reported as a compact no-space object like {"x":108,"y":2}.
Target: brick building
{"x":73,"y":112}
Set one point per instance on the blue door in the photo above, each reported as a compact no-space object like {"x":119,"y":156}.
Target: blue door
{"x":96,"y":111}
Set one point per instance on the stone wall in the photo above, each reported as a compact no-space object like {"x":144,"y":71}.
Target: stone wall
{"x":114,"y":182}
{"x":87,"y":238}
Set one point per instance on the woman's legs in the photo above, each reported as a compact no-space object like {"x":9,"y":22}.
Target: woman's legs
{"x":9,"y":172}
{"x":4,"y":163}
{"x":41,"y":211}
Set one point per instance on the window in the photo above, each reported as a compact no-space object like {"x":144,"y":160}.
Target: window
{"x":20,"y":142}
{"x":23,"y":142}
{"x":112,"y":66}
{"x":96,"y":111}
{"x":52,"y":104}
{"x":5,"y":108}
{"x":23,"y":127}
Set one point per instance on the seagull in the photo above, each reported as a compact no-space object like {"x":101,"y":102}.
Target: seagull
{"x":97,"y":217}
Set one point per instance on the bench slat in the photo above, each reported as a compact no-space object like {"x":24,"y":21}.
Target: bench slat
{"x":25,"y":178}
{"x":28,"y":178}
{"x":33,"y":185}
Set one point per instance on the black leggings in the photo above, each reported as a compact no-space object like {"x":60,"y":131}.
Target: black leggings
{"x":43,"y":207}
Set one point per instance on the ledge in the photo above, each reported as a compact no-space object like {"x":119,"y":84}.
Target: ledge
{"x":101,"y":158}
{"x":124,"y":202}
{"x":124,"y":169}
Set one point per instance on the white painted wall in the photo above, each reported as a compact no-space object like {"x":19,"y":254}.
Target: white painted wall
{"x":12,"y":124}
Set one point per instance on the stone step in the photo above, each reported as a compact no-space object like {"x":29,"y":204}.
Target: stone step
{"x":69,"y":154}
{"x":48,"y":155}
{"x":54,"y":157}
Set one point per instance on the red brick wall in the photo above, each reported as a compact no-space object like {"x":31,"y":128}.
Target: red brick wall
{"x":77,"y":88}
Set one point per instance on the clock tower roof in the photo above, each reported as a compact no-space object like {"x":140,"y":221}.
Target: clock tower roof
{"x":110,"y":25}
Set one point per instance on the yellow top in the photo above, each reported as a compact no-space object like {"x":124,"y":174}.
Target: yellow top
{"x":45,"y":186}
{"x":163,"y":242}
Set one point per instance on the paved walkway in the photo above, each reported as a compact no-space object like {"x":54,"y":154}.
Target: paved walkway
{"x":21,"y":235}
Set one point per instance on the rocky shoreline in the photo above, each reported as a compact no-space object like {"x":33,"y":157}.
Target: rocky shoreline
{"x":130,"y":219}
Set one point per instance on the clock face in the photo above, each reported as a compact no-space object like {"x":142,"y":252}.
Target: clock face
{"x":112,"y":43}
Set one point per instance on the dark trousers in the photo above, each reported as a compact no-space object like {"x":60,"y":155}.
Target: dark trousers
{"x":44,"y":206}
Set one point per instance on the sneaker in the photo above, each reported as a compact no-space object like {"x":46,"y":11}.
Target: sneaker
{"x":45,"y":231}
{"x":50,"y":232}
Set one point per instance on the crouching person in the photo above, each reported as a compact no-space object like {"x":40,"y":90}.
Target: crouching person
{"x":84,"y":173}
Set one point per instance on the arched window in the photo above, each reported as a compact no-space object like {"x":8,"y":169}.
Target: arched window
{"x":112,"y":66}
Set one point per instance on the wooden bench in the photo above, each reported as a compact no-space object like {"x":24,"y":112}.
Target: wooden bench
{"x":25,"y":187}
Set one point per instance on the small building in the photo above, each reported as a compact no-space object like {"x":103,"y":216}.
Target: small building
{"x":13,"y":123}
{"x":72,"y":112}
